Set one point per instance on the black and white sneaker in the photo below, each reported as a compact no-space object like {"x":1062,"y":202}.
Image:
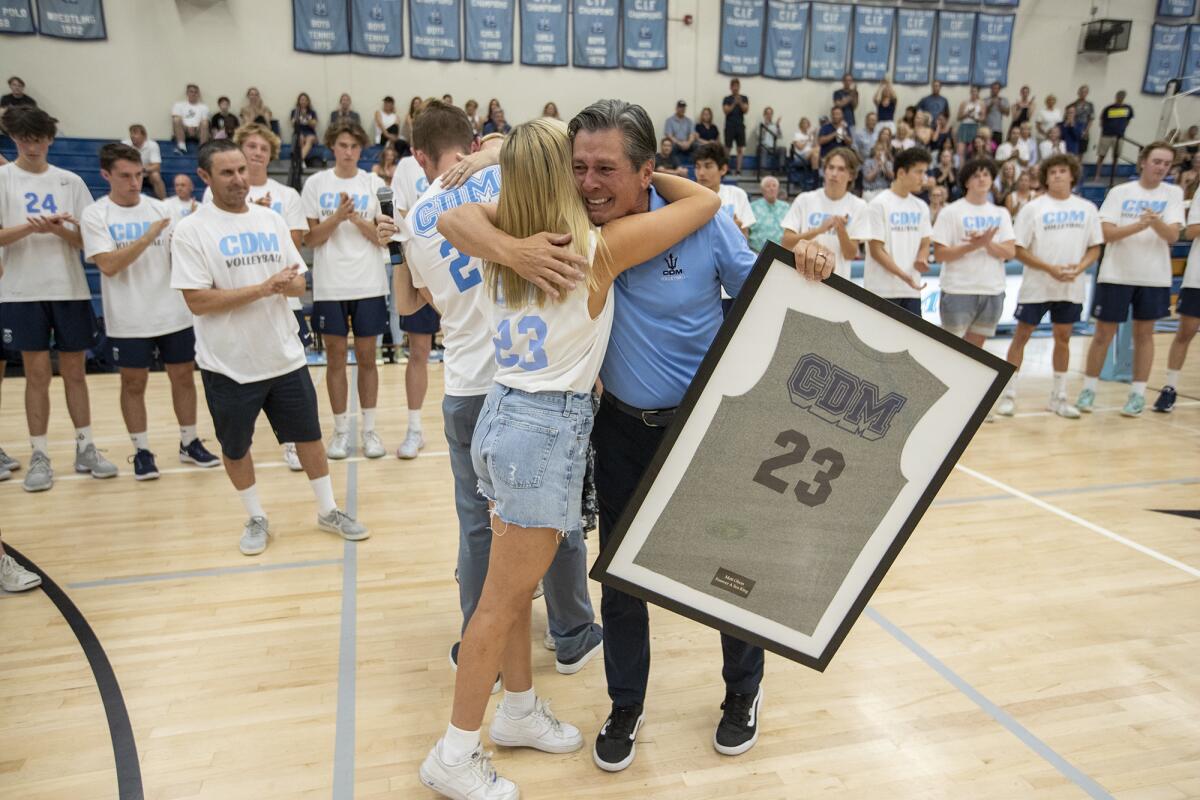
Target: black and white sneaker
{"x":616,"y":744}
{"x":738,"y":729}
{"x":454,"y":666}
{"x":580,"y":661}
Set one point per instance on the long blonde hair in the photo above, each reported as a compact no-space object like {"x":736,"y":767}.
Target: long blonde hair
{"x":538,"y":193}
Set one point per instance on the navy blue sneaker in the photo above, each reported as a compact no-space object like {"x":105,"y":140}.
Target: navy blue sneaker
{"x":144,"y":468}
{"x":196,"y":453}
{"x":1165,"y":401}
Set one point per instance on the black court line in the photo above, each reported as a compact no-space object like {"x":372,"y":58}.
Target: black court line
{"x":129,"y":771}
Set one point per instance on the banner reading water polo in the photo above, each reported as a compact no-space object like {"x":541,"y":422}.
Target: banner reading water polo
{"x":16,"y":17}
{"x":544,"y":33}
{"x":787,"y":39}
{"x":320,"y":26}
{"x":434,"y":27}
{"x":829,"y":45}
{"x":377,"y":28}
{"x":914,"y":44}
{"x":956,"y":35}
{"x":1165,"y":59}
{"x":1191,"y":60}
{"x":742,"y":24}
{"x":993,"y":45}
{"x":1176,"y":8}
{"x":872,"y":51}
{"x":72,"y":19}
{"x":645,"y":34}
{"x":489,"y":30}
{"x":597,"y":26}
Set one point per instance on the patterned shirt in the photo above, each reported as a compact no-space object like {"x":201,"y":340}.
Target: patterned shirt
{"x":768,"y":226}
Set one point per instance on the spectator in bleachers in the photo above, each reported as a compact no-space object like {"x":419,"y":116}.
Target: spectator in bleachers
{"x":184,"y":200}
{"x":865,"y":136}
{"x":878,"y":170}
{"x":1022,"y":194}
{"x":769,"y":211}
{"x":937,"y":201}
{"x":472,"y":110}
{"x":846,"y":98}
{"x":971,"y":113}
{"x":387,"y":124}
{"x":1008,"y":150}
{"x":887,"y":137}
{"x":996,"y":108}
{"x":304,"y":125}
{"x":1072,"y":131}
{"x":1006,"y":180}
{"x":550,"y":111}
{"x":223,"y":123}
{"x":189,"y":120}
{"x":151,"y":158}
{"x":933,"y":103}
{"x":1190,"y":177}
{"x":885,"y":105}
{"x":255,"y":109}
{"x":680,"y":130}
{"x":835,"y":133}
{"x":1114,"y":119}
{"x":493,"y":104}
{"x":385,"y":164}
{"x":496,"y":124}
{"x":1085,"y":112}
{"x":945,"y":175}
{"x":923,"y":130}
{"x":1023,"y":110}
{"x":769,"y":136}
{"x":666,"y":160}
{"x":16,"y":94}
{"x":736,"y":105}
{"x":804,"y":145}
{"x":414,"y":106}
{"x":343,"y":112}
{"x":1027,"y":149}
{"x":909,"y":118}
{"x":1048,"y":117}
{"x":1053,"y":144}
{"x":706,"y":131}
{"x":448,"y":99}
{"x":904,"y":138}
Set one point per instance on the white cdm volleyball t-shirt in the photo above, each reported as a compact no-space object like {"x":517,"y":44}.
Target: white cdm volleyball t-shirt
{"x":1143,"y":259}
{"x":348,"y":266}
{"x":41,"y":266}
{"x":811,"y":209}
{"x":1057,"y":232}
{"x":978,"y":272}
{"x":900,"y":224}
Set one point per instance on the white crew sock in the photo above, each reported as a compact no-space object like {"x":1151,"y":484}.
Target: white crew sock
{"x":1011,"y":389}
{"x":39,"y":444}
{"x":141,"y":440}
{"x":187,"y":434}
{"x":1172,"y":378}
{"x":1138,"y":388}
{"x":341,"y":422}
{"x":518,"y":705}
{"x":83,"y":437}
{"x":368,"y":419}
{"x":323,"y":489}
{"x":251,"y":503}
{"x":1090,"y":383}
{"x":457,"y":744}
{"x":414,"y":420}
{"x":1060,"y":384}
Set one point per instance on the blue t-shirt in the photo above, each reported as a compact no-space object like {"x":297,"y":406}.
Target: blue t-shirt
{"x":668,"y":310}
{"x":935,"y":105}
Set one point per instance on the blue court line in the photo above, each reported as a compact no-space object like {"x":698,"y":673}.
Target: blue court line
{"x":202,"y":573}
{"x":1064,"y":767}
{"x":343,"y":737}
{"x":1104,"y":487}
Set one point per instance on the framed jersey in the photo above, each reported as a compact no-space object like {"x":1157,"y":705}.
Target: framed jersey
{"x":818,"y":430}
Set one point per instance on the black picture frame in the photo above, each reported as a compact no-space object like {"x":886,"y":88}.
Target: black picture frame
{"x":770,"y":255}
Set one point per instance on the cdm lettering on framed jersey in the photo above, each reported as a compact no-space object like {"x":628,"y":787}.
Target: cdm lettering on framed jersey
{"x":815,"y":435}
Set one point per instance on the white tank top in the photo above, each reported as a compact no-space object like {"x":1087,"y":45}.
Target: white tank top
{"x":556,"y":347}
{"x":387,"y":121}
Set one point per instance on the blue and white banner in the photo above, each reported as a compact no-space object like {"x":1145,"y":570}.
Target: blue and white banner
{"x":1191,"y":60}
{"x":16,"y":16}
{"x":434,"y":28}
{"x":1176,"y":8}
{"x":914,"y":43}
{"x":993,"y":45}
{"x":956,"y":35}
{"x":72,"y":19}
{"x":489,"y":33}
{"x":829,"y":43}
{"x":377,"y":28}
{"x":872,"y":53}
{"x":645,"y":34}
{"x":787,"y":29}
{"x":962,"y":2}
{"x":742,"y":24}
{"x":1165,"y":59}
{"x":320,"y":26}
{"x":1003,"y":3}
{"x":544,"y":33}
{"x":597,"y":26}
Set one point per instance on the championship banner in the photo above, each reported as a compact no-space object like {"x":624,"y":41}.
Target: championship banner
{"x":16,"y":17}
{"x":1191,"y":60}
{"x":1004,"y":3}
{"x":787,"y":29}
{"x":597,"y":29}
{"x":872,"y":53}
{"x":71,"y":19}
{"x":993,"y":45}
{"x":819,"y":428}
{"x":829,"y":46}
{"x":956,"y":34}
{"x":914,"y":43}
{"x":742,"y":24}
{"x":434,"y":30}
{"x":320,"y":26}
{"x":645,"y":34}
{"x":544,"y":33}
{"x":489,"y":30}
{"x":377,"y":28}
{"x":1176,"y":8}
{"x":1165,"y":59}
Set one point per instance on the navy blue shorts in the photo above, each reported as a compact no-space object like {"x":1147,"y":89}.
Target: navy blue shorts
{"x":304,"y":333}
{"x":910,"y":304}
{"x":6,"y":349}
{"x":1189,"y":302}
{"x":289,"y":401}
{"x":426,"y":320}
{"x":1061,"y":312}
{"x":174,"y":348}
{"x":368,"y":316}
{"x":1112,"y":302}
{"x":33,"y":326}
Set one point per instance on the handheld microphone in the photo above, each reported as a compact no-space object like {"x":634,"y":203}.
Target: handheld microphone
{"x":386,"y":208}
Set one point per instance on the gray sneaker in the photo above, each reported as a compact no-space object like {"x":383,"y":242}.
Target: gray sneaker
{"x":7,"y":462}
{"x":341,"y":523}
{"x":15,"y":578}
{"x":4,"y":474}
{"x":40,"y":477}
{"x":254,"y":536}
{"x":91,"y":461}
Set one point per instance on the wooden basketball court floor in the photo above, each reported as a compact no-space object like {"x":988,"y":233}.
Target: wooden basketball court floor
{"x":1038,"y":637}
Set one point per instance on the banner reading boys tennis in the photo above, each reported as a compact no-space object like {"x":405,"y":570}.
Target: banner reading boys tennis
{"x":818,"y":430}
{"x":597,"y":27}
{"x":377,"y":28}
{"x":320,"y":26}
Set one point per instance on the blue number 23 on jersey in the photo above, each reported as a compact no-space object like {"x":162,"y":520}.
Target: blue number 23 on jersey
{"x":535,"y":327}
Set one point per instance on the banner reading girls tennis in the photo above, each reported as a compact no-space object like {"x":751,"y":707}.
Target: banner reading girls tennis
{"x":742,"y":24}
{"x":872,"y":42}
{"x":489,"y":30}
{"x":787,"y":25}
{"x":544,"y":33}
{"x":645,"y":26}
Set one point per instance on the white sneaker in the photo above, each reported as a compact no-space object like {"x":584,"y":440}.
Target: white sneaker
{"x":254,"y":536}
{"x":473,"y":779}
{"x":539,"y":590}
{"x":1007,"y":406}
{"x":15,"y":578}
{"x":1060,"y":406}
{"x":412,"y":444}
{"x":372,"y":445}
{"x":339,"y":446}
{"x":548,"y":641}
{"x":291,"y":458}
{"x":540,"y":729}
{"x":5,"y":473}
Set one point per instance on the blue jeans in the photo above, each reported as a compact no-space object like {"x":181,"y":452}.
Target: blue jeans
{"x":568,"y":607}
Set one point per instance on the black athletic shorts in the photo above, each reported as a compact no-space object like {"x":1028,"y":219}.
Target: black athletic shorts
{"x":735,"y":134}
{"x":289,"y":401}
{"x":32,"y":326}
{"x":425,"y":320}
{"x":368,"y":316}
{"x":174,"y":348}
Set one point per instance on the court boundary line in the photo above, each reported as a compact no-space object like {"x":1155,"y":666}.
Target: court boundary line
{"x":347,"y":678}
{"x":1067,"y":491}
{"x":205,"y":572}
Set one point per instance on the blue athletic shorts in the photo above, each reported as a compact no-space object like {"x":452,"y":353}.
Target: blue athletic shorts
{"x":368,"y":316}
{"x":426,"y":320}
{"x":1113,"y":301}
{"x":1188,"y":303}
{"x":69,"y":325}
{"x":910,"y":304}
{"x":1061,"y":312}
{"x":174,"y":348}
{"x":304,"y":332}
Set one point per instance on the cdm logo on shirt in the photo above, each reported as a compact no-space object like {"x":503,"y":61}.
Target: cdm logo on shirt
{"x":818,"y":218}
{"x":482,"y":187}
{"x":126,"y":233}
{"x":842,"y":398}
{"x":1135,"y":207}
{"x":980,"y":222}
{"x":329,"y":202}
{"x":904,"y":221}
{"x":1057,"y":220}
{"x":242,"y":249}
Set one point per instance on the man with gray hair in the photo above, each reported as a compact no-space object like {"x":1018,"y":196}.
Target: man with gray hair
{"x":769,"y":211}
{"x":668,"y":310}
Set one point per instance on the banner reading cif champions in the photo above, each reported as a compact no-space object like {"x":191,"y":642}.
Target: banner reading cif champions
{"x":742,"y":23}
